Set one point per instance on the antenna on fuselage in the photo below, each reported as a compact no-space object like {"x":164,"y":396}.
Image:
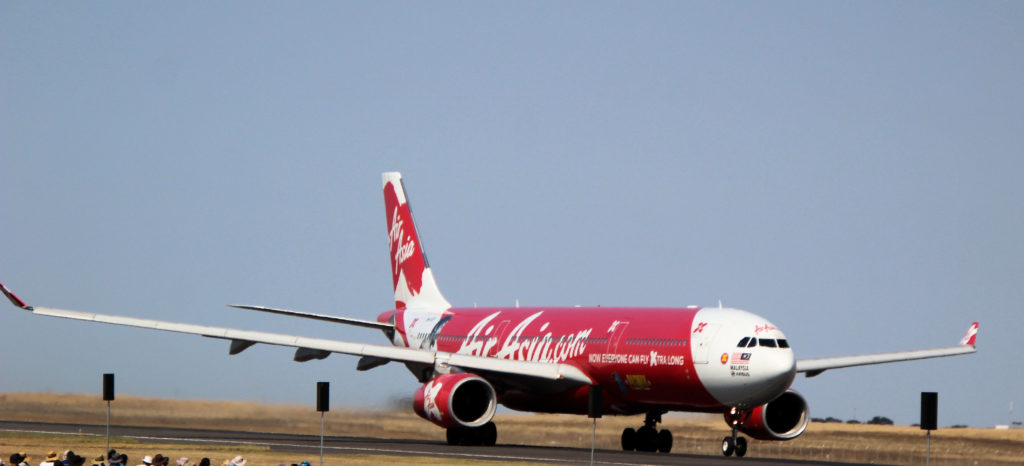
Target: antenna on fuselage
{"x":517,"y":302}
{"x":719,"y":303}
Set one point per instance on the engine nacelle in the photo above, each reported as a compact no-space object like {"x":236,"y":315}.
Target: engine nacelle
{"x":783,"y":418}
{"x":456,"y":400}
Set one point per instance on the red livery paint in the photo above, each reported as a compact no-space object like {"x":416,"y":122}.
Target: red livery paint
{"x":406,"y":255}
{"x":971,"y":336}
{"x":435,"y":401}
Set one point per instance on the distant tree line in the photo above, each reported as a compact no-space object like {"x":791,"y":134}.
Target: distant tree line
{"x":877,"y":420}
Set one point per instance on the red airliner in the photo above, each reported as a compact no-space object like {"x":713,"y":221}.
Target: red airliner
{"x":543,"y":359}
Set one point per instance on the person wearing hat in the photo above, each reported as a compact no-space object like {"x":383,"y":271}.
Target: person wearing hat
{"x":204,"y":462}
{"x":118,"y":459}
{"x":19,"y":459}
{"x":159,"y":460}
{"x":147,"y":461}
{"x":51,"y":459}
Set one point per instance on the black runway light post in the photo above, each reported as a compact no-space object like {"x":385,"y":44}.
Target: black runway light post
{"x":929,"y":419}
{"x":323,"y":404}
{"x":594,"y":412}
{"x":108,"y":396}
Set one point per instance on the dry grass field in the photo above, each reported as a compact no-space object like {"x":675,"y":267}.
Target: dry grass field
{"x":693,"y":434}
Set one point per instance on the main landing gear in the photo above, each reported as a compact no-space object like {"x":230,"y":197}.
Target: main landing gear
{"x":486,"y":435}
{"x":647,"y":438}
{"x":734,"y":443}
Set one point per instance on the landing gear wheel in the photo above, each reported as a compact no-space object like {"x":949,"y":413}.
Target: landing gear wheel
{"x":665,"y":441}
{"x":741,"y":447}
{"x":647,"y":439}
{"x":628,"y":439}
{"x":488,"y":434}
{"x":728,"y":446}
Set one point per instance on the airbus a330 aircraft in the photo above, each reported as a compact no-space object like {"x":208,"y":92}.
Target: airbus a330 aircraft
{"x":646,"y":360}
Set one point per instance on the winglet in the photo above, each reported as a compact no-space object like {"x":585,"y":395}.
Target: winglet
{"x":14,"y":299}
{"x":971,"y":336}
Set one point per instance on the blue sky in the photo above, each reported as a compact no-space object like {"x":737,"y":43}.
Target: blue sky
{"x":850,"y":171}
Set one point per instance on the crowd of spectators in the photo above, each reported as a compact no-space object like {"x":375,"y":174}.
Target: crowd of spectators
{"x":113,"y":458}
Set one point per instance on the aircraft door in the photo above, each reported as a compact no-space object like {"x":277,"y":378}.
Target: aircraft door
{"x":496,"y":339}
{"x":700,"y":341}
{"x":615,"y":332}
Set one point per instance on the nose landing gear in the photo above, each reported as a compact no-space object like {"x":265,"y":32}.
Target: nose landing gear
{"x":734,"y":443}
{"x":647,"y":438}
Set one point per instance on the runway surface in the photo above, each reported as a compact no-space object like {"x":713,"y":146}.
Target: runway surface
{"x":310,"y":444}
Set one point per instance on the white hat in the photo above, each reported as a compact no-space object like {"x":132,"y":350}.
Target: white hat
{"x":147,"y":459}
{"x":238,"y":460}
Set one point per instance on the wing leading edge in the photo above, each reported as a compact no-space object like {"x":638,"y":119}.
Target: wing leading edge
{"x":815,"y":366}
{"x":318,"y":348}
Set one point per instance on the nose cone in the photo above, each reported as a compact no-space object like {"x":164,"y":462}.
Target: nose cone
{"x":755,"y":364}
{"x":770,"y":377}
{"x":778,"y":372}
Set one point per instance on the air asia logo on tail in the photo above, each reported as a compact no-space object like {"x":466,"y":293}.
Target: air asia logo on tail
{"x":406,"y":256}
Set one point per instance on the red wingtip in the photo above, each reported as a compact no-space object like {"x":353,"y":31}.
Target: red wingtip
{"x":971,"y":336}
{"x":12,"y":298}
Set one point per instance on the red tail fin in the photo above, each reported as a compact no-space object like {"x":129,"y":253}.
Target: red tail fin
{"x":413,"y":281}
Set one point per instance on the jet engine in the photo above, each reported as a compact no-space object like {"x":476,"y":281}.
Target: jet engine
{"x":456,"y":400}
{"x":783,"y":418}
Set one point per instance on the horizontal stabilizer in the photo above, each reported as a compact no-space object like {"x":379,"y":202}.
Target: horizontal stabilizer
{"x":324,"y":317}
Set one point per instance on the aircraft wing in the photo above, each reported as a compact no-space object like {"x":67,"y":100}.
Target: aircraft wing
{"x":813,"y":367}
{"x":318,"y":348}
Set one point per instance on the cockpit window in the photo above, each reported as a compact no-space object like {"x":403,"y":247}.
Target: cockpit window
{"x":743,"y":342}
{"x":753,"y":343}
{"x":767,"y":342}
{"x":783,"y":343}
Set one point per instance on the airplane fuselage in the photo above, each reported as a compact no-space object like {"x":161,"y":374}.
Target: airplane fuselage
{"x":647,"y":358}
